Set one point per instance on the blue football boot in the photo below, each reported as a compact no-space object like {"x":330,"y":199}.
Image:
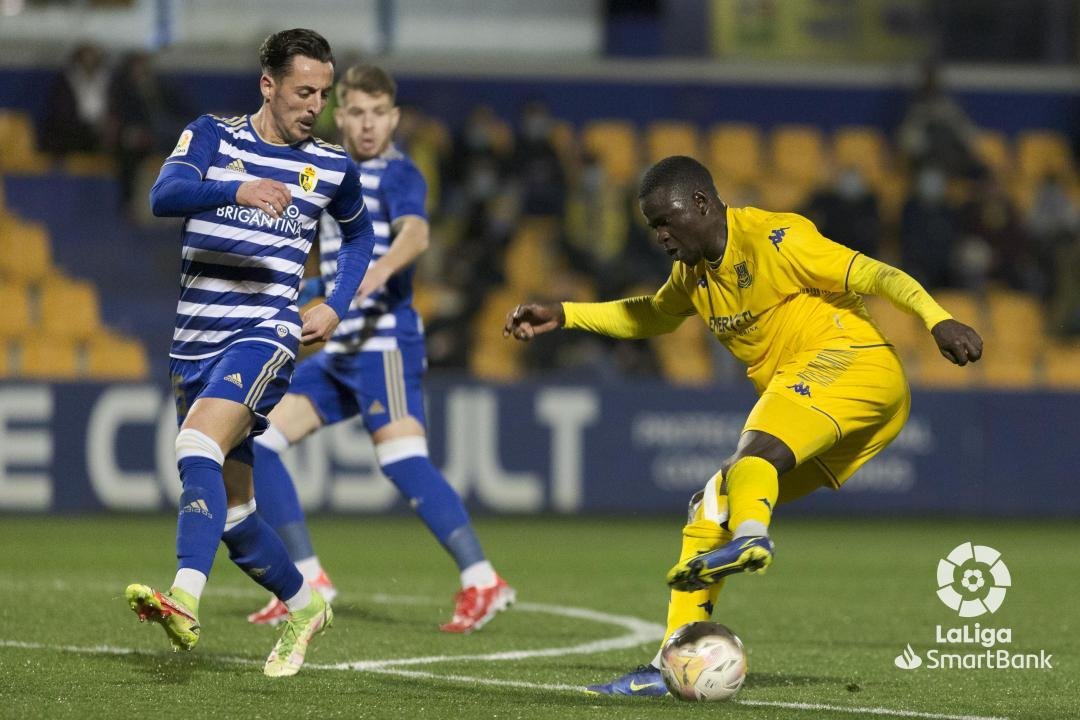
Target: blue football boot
{"x":751,"y":554}
{"x":643,"y":682}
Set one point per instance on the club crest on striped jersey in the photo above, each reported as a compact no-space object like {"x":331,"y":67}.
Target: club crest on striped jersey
{"x":308,"y":178}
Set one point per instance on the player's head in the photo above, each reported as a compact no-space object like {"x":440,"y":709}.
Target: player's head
{"x":297,"y":76}
{"x":679,"y":201}
{"x":367,"y":113}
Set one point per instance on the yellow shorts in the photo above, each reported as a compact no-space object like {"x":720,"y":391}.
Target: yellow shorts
{"x":835,"y":408}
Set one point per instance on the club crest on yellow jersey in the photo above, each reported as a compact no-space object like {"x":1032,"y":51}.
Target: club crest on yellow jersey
{"x":743,"y":276}
{"x":308,"y":178}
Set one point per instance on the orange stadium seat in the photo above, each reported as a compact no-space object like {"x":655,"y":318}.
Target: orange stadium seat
{"x":1042,"y":152}
{"x":18,"y":144}
{"x":48,"y":358}
{"x":1014,"y":337}
{"x":664,"y":138}
{"x":783,"y":195}
{"x":734,"y":154}
{"x":901,"y":329}
{"x":684,"y":354}
{"x":993,"y":150}
{"x":530,"y":255}
{"x":1061,"y":366}
{"x":16,"y":317}
{"x":69,"y":308}
{"x":25,"y":251}
{"x":615,"y":143}
{"x":114,"y":357}
{"x":864,"y":148}
{"x":798,"y":154}
{"x":84,"y":163}
{"x":492,"y":357}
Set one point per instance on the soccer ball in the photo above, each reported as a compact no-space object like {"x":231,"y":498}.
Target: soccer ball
{"x":703,"y":661}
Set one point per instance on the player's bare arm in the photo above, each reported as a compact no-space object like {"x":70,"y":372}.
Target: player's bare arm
{"x":959,"y":343}
{"x":319,"y":324}
{"x":270,"y":196}
{"x":528,"y":320}
{"x":411,"y":239}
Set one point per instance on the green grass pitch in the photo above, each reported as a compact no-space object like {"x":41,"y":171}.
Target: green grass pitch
{"x":822,"y":627}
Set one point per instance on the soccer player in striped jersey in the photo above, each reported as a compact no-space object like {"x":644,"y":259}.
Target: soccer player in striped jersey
{"x":373,"y":367}
{"x":785,"y":301}
{"x":251,"y":190}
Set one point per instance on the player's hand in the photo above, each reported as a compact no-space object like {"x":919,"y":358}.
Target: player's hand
{"x":376,"y":276}
{"x":527,"y":321}
{"x":270,"y":196}
{"x":319,"y":324}
{"x":958,"y":342}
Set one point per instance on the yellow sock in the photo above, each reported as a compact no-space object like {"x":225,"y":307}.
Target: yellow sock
{"x":752,"y":486}
{"x":686,"y":607}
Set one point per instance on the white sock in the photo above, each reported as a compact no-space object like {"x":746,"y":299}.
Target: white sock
{"x":273,"y":439}
{"x":310,"y":568}
{"x":480,"y":574}
{"x":750,"y":527}
{"x":300,"y":600}
{"x":190,"y":581}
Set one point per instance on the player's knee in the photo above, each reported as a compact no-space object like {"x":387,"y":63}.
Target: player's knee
{"x":192,"y":443}
{"x":395,"y":450}
{"x":295,"y":417}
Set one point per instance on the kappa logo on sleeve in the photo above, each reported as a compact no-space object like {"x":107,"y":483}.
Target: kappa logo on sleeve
{"x":182,"y":144}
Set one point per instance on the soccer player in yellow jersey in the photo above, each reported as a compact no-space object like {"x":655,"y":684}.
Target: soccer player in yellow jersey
{"x":786,"y":301}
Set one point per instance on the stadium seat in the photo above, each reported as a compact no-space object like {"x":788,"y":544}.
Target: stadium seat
{"x":901,"y":329}
{"x":684,"y":355}
{"x":782,"y":195}
{"x":48,"y":358}
{"x":82,"y":163}
{"x":16,"y":318}
{"x":1015,"y":339}
{"x":963,"y":305}
{"x":798,"y":154}
{"x":25,"y":251}
{"x":531,"y":255}
{"x":1061,"y":366}
{"x":69,"y":308}
{"x":993,"y":150}
{"x":664,"y":138}
{"x":615,"y":143}
{"x":864,"y":148}
{"x":18,"y":144}
{"x":491,"y":356}
{"x":733,"y":154}
{"x":114,"y":357}
{"x":1043,"y":152}
{"x":6,"y":368}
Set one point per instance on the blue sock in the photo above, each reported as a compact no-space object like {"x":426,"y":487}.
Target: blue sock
{"x":201,"y":519}
{"x":278,"y":503}
{"x":259,"y":552}
{"x":438,"y":505}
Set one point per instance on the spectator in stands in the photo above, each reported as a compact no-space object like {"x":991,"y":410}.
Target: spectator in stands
{"x":936,"y":131}
{"x":929,"y":231}
{"x":146,"y":115}
{"x":480,"y":153}
{"x":537,"y":163}
{"x":77,"y":106}
{"x":847,"y":212}
{"x":991,"y":227}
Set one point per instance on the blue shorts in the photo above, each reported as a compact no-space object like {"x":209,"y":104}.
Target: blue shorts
{"x":255,"y":374}
{"x":382,"y":386}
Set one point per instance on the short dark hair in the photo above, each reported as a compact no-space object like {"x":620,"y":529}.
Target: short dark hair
{"x":371,"y":79}
{"x":677,"y":172}
{"x":278,"y":50}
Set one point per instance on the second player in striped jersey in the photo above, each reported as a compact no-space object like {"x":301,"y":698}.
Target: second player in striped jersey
{"x":374,"y":364}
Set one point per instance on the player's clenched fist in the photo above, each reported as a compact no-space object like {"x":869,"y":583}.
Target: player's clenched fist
{"x":319,"y":324}
{"x":958,"y":342}
{"x":527,"y":321}
{"x":270,"y":196}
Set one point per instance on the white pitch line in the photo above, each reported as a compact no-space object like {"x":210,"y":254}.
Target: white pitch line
{"x":640,"y":631}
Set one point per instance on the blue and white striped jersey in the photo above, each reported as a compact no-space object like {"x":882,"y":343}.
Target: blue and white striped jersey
{"x":393,"y":188}
{"x":241,"y":268}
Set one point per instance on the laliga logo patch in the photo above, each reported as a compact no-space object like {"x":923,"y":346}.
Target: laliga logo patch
{"x":182,"y":144}
{"x":972,"y":580}
{"x":308,"y":178}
